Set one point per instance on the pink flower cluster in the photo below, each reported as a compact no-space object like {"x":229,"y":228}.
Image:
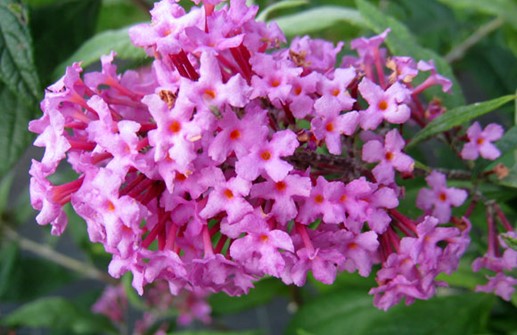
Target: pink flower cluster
{"x":232,"y":158}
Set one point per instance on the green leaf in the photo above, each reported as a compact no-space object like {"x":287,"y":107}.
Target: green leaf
{"x":5,"y":189}
{"x":8,"y":253}
{"x":31,"y":277}
{"x":402,"y":43}
{"x":264,"y":291}
{"x":60,"y":28}
{"x":102,"y":44}
{"x":510,"y":241}
{"x":59,"y":314}
{"x":317,"y":19}
{"x":458,"y":116}
{"x":332,"y":313}
{"x":507,"y":9}
{"x":116,"y":14}
{"x":448,"y":315}
{"x":464,"y":276}
{"x":207,"y":332}
{"x":285,"y":4}
{"x":19,"y":83}
{"x":353,"y":311}
{"x":509,"y":140}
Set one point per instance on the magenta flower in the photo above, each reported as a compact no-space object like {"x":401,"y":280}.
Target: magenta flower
{"x":480,"y":142}
{"x":314,"y":54}
{"x":232,"y":158}
{"x":227,"y":196}
{"x":389,"y":156}
{"x":238,"y":136}
{"x":360,"y":252}
{"x":434,"y":79}
{"x":330,"y":126}
{"x":210,"y":91}
{"x":438,"y":200}
{"x":284,"y":193}
{"x":323,"y":263}
{"x":260,"y":253}
{"x":321,"y":203}
{"x":266,"y":157}
{"x":500,"y":284}
{"x":334,"y":94}
{"x":389,"y":105}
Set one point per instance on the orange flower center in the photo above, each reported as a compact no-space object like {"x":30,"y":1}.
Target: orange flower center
{"x":209,"y":94}
{"x":235,"y":134}
{"x":265,"y":155}
{"x":389,"y":156}
{"x":329,"y":127}
{"x":228,"y":193}
{"x":383,"y":105}
{"x":111,"y":206}
{"x":280,"y":186}
{"x":442,"y":196}
{"x":319,"y":199}
{"x":175,"y":127}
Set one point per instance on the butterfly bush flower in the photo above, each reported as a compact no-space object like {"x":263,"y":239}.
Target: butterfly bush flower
{"x":439,"y":199}
{"x":234,"y":156}
{"x":480,"y":142}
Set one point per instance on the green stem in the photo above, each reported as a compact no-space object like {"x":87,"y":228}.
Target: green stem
{"x":459,"y":51}
{"x":50,"y":254}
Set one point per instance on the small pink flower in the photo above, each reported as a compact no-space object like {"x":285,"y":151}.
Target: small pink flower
{"x":389,"y":105}
{"x":389,"y":155}
{"x":480,"y":142}
{"x":268,"y":157}
{"x":438,"y":200}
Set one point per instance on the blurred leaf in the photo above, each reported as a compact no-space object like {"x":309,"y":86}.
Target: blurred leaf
{"x":507,"y":9}
{"x":353,"y":311}
{"x":36,"y":3}
{"x":492,"y":68}
{"x":19,"y":83}
{"x":432,"y":23}
{"x":60,"y":314}
{"x":345,"y":279}
{"x":464,"y":277}
{"x":29,"y":278}
{"x":285,"y":4}
{"x":134,"y":299}
{"x":316,"y":19}
{"x":5,"y":187}
{"x":510,"y":35}
{"x":8,"y":253}
{"x":401,"y":42}
{"x":59,"y":29}
{"x":102,"y":44}
{"x":458,"y":116}
{"x":264,"y":291}
{"x":333,"y":313}
{"x":509,"y":140}
{"x":510,"y":241}
{"x":511,"y":179}
{"x":115,"y":14}
{"x":207,"y":332}
{"x":449,"y":315}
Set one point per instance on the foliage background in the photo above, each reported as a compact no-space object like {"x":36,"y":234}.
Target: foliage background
{"x":473,"y":40}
